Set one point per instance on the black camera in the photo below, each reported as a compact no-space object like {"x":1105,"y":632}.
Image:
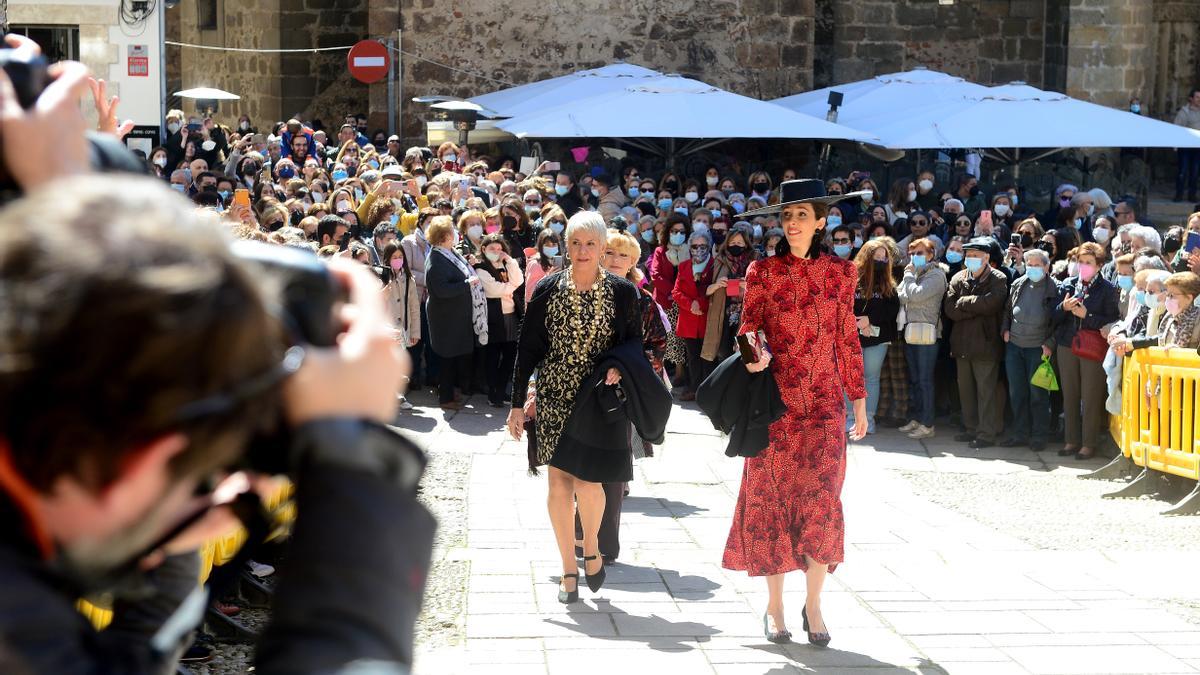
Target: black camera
{"x":27,"y":73}
{"x":304,"y":294}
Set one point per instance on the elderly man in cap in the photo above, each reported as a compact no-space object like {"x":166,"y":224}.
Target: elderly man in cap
{"x":975,"y":302}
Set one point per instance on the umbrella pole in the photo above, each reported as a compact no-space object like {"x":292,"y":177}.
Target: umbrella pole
{"x":1016,"y":165}
{"x":671,"y":154}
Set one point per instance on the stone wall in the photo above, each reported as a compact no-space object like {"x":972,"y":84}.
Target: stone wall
{"x":253,"y":76}
{"x":760,"y":48}
{"x":1109,"y":50}
{"x":1176,"y":64}
{"x":986,"y":41}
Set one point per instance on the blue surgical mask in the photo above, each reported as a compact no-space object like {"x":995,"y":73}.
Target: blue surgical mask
{"x":973,"y":264}
{"x":954,"y":257}
{"x":678,"y":238}
{"x":716,"y":213}
{"x":634,"y":192}
{"x":648,"y":236}
{"x":833,"y":221}
{"x":596,"y":192}
{"x":556,"y":227}
{"x":373,"y":164}
{"x":224,"y":194}
{"x":738,"y":207}
{"x":562,"y":190}
{"x":177,"y":187}
{"x":633,"y":228}
{"x":1135,"y":108}
{"x":664,"y":204}
{"x":919,"y":260}
{"x":1124,"y":281}
{"x":1152,"y":301}
{"x":682,"y":210}
{"x":1035,"y":274}
{"x":758,"y":231}
{"x":1078,"y":223}
{"x":395,"y":219}
{"x":550,"y":251}
{"x":1139,"y":297}
{"x":450,"y":157}
{"x":358,"y":195}
{"x":340,"y":175}
{"x":842,"y":250}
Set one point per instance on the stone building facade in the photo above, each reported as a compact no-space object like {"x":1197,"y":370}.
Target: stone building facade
{"x":1103,"y":50}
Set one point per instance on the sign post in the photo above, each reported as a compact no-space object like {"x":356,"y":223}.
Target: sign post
{"x":368,"y":61}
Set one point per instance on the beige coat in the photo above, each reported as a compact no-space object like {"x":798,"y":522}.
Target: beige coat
{"x":404,"y":303}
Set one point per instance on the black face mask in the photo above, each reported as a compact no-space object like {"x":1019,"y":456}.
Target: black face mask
{"x":1048,"y":248}
{"x":760,"y":188}
{"x":975,"y":191}
{"x":508,"y":222}
{"x":736,"y":251}
{"x":672,"y":186}
{"x":719,"y":237}
{"x":881,"y":266}
{"x":296,"y":217}
{"x":1026,"y":241}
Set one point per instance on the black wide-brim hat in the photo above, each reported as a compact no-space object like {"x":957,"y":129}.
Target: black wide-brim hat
{"x":803,"y":191}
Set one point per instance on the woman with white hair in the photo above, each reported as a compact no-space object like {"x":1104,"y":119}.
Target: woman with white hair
{"x":1141,"y":236}
{"x":1102,"y":202}
{"x":574,"y":317}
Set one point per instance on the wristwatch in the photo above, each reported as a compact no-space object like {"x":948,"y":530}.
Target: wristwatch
{"x":359,"y":445}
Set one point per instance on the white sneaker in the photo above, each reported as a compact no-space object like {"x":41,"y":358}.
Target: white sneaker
{"x":260,"y":570}
{"x":921,"y":431}
{"x":911,"y":426}
{"x":404,"y":404}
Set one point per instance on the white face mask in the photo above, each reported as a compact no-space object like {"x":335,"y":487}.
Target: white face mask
{"x":209,"y":145}
{"x":912,"y":195}
{"x":925,"y":185}
{"x":421,"y":181}
{"x":160,"y":162}
{"x":1001,"y":210}
{"x":475,"y":232}
{"x":711,"y":180}
{"x":1101,"y":235}
{"x":691,"y":197}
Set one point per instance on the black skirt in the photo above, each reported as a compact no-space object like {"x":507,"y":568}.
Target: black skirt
{"x":594,"y":464}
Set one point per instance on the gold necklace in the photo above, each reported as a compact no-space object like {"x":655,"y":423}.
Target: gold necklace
{"x":587,"y":330}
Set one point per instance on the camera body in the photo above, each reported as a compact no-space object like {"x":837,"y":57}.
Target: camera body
{"x":27,"y":73}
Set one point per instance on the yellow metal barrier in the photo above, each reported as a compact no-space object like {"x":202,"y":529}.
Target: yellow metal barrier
{"x":216,"y":552}
{"x":1160,"y":432}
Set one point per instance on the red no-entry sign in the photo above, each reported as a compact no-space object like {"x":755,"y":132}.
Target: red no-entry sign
{"x":368,"y":61}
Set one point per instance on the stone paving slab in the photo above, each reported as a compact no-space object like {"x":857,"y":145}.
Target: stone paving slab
{"x":923,"y":589}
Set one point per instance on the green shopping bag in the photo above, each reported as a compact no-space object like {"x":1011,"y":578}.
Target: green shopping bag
{"x":1044,"y":376}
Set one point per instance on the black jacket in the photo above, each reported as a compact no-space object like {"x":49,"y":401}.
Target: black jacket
{"x":448,"y":307}
{"x":346,"y":594}
{"x":741,"y":404}
{"x":603,"y":412}
{"x":1101,"y":303}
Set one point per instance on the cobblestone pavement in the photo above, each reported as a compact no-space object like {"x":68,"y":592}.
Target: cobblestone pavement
{"x":957,"y":561}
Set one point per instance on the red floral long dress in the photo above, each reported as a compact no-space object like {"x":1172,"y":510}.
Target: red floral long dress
{"x":789,"y":505}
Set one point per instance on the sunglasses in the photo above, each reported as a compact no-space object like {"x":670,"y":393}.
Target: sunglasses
{"x":919,"y":223}
{"x":841,"y":240}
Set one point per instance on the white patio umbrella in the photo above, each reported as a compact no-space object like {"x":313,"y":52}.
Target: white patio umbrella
{"x":558,"y":90}
{"x":208,"y":93}
{"x":884,"y":95}
{"x":1020,"y":116}
{"x":672,"y":107}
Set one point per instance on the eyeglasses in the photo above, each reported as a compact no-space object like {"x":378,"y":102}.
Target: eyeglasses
{"x":841,"y":240}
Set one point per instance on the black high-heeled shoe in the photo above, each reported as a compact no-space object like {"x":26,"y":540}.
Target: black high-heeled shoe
{"x":818,"y":639}
{"x":594,"y":581}
{"x":778,"y":637}
{"x":567,"y":597}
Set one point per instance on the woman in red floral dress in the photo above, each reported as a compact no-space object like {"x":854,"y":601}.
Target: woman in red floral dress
{"x":789,"y":509}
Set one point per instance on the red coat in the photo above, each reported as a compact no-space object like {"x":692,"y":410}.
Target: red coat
{"x":687,"y":289}
{"x":662,"y":275}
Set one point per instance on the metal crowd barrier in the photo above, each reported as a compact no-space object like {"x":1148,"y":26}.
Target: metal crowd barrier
{"x":1158,"y":430}
{"x":217,"y":551}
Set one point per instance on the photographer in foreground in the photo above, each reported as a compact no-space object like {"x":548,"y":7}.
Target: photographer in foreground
{"x":138,"y":358}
